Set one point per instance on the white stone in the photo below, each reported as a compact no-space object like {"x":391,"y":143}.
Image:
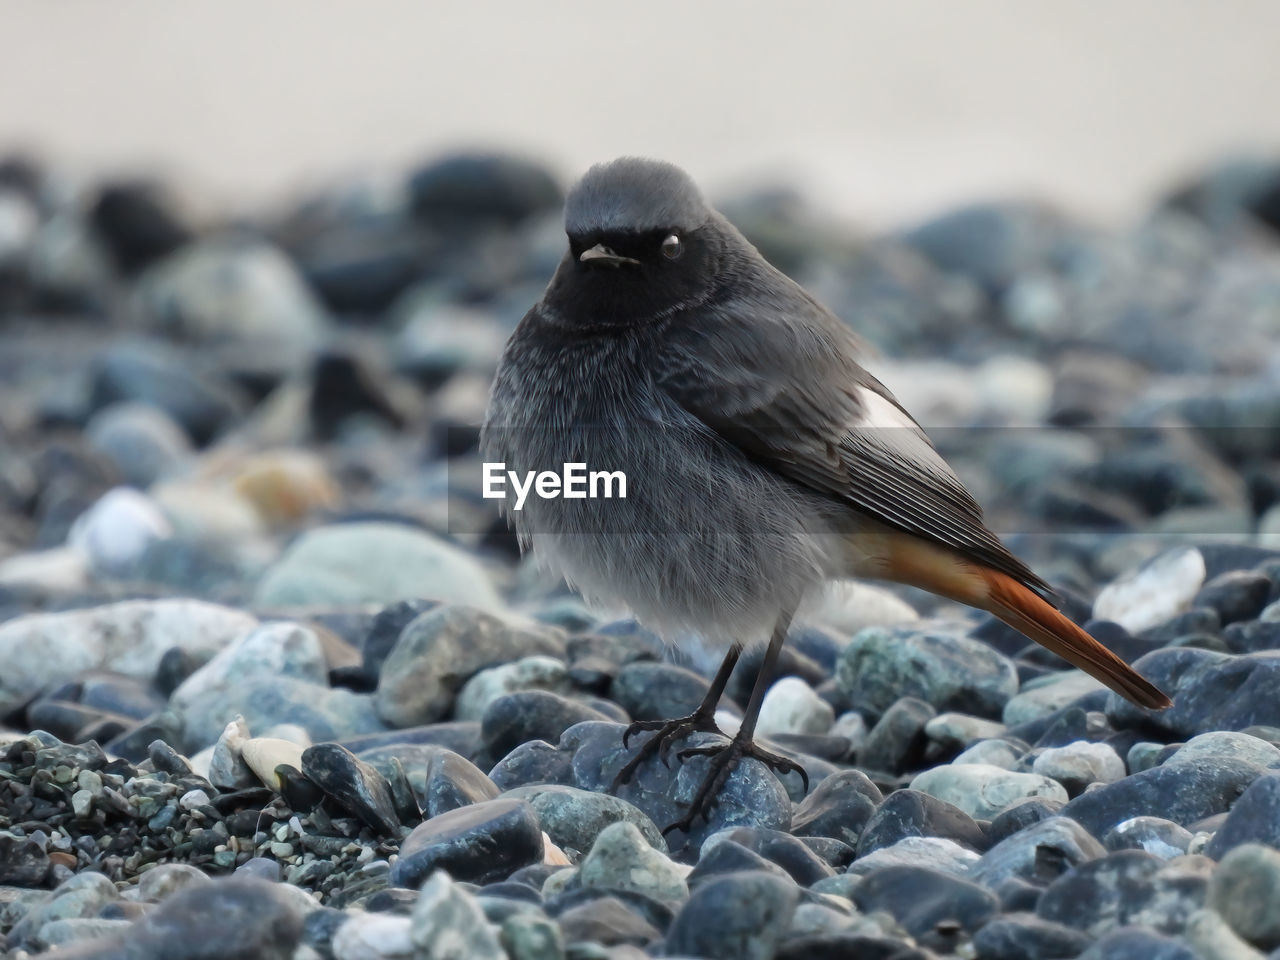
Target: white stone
{"x":847,"y":606}
{"x":57,"y":570}
{"x":791,"y":706}
{"x":936,"y":853}
{"x":983,"y":790}
{"x":1080,"y":763}
{"x":958,"y":730}
{"x":264,"y":754}
{"x":995,"y":753}
{"x":1154,"y":593}
{"x":118,"y":528}
{"x":43,"y":649}
{"x":373,"y":936}
{"x":1014,"y":389}
{"x":18,"y":223}
{"x":527,"y":673}
{"x":852,"y":726}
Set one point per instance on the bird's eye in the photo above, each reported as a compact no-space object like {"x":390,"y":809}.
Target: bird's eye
{"x":672,"y":247}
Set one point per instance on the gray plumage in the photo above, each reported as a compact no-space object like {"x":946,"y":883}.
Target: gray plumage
{"x":762,"y":459}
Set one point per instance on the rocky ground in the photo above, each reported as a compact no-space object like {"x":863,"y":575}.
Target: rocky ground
{"x":273,"y":683}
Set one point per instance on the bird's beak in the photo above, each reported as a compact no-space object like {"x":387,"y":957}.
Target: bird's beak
{"x":603,"y":255}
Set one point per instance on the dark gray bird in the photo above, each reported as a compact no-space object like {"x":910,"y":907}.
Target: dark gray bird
{"x":761,"y":459}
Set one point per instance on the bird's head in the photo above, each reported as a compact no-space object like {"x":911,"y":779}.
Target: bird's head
{"x":642,"y":243}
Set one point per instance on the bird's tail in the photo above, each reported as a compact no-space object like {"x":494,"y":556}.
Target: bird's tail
{"x":1029,"y":614}
{"x":924,"y":565}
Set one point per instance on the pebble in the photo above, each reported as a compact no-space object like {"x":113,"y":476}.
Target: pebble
{"x":897,"y":742}
{"x":1245,"y":891}
{"x":608,"y":921}
{"x":930,"y":662}
{"x":264,"y":754}
{"x":936,"y":853}
{"x":143,"y":442}
{"x":574,"y":819}
{"x":622,"y":858}
{"x":1038,"y":852}
{"x":1235,"y":595}
{"x":44,"y":649}
{"x":751,"y":796}
{"x":527,"y":673}
{"x":228,"y":288}
{"x":23,"y":862}
{"x":1024,"y":936}
{"x":242,"y":915}
{"x":1080,"y":764}
{"x":1227,"y":744}
{"x":740,"y":916}
{"x":994,"y":753}
{"x":439,"y":651}
{"x":448,"y":781}
{"x":197,"y":398}
{"x":480,"y":843}
{"x":357,"y":563}
{"x":791,"y":706}
{"x":1125,"y":887}
{"x":373,"y":936}
{"x":1048,"y":694}
{"x":1253,"y":818}
{"x":657,"y":691}
{"x":529,"y":937}
{"x":921,"y":899}
{"x":982,"y":791}
{"x":1183,"y":793}
{"x":1213,"y":939}
{"x":1205,"y":688}
{"x":117,"y":530}
{"x":849,"y":606}
{"x":1158,"y":837}
{"x":517,"y":718}
{"x":838,"y":807}
{"x":1129,"y":942}
{"x":167,"y":879}
{"x":912,"y":813}
{"x":1154,"y":593}
{"x":284,"y":486}
{"x":448,"y":924}
{"x":354,"y":784}
{"x":227,"y":767}
{"x":956,"y":731}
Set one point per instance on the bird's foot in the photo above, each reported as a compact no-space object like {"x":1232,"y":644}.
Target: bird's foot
{"x":724,"y":758}
{"x":669,"y":731}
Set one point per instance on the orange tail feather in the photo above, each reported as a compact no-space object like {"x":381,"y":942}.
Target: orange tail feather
{"x":1030,"y":614}
{"x":910,"y":560}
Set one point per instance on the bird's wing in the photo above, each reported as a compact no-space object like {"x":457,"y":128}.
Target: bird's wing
{"x":776,"y":375}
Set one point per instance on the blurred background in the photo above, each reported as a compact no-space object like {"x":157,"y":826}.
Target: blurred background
{"x":882,"y":111}
{"x":257,"y":261}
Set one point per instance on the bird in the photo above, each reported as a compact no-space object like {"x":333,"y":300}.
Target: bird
{"x":763,"y":461}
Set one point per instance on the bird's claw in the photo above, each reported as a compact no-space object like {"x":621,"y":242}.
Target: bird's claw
{"x":724,"y":758}
{"x":668,"y":732}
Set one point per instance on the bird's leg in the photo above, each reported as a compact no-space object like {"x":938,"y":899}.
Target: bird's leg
{"x":669,"y":731}
{"x":725,"y":757}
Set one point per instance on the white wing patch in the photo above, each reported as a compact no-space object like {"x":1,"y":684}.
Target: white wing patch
{"x":888,"y":427}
